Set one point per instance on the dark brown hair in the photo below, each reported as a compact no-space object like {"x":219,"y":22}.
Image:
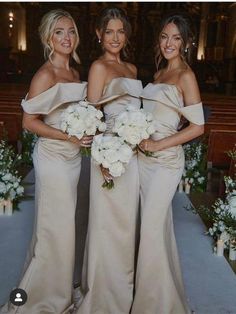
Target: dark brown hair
{"x":110,"y":13}
{"x":187,"y":36}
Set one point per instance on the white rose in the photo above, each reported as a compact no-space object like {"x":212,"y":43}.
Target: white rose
{"x":232,"y":205}
{"x":20,"y":190}
{"x":3,"y":188}
{"x":116,"y":169}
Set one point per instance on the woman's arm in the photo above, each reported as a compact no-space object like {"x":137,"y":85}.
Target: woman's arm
{"x":96,"y":81}
{"x":191,"y":95}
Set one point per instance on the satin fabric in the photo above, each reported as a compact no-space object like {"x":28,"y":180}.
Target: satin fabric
{"x":159,"y":287}
{"x":108,"y":272}
{"x":48,"y":274}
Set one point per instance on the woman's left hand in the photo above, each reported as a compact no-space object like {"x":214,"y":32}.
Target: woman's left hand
{"x":148,"y":145}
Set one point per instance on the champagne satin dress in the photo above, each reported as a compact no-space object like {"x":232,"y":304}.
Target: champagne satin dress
{"x":108,"y":271}
{"x":159,"y":288}
{"x":48,"y":277}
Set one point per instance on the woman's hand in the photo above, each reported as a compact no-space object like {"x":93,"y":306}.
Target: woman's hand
{"x":85,"y":141}
{"x":106,"y":175}
{"x":148,"y":145}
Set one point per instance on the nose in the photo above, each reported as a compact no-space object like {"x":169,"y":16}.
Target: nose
{"x":168,"y":42}
{"x":67,"y":36}
{"x":115,"y":37}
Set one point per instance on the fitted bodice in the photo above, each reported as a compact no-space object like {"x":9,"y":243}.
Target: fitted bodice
{"x":50,"y":105}
{"x":117,"y":95}
{"x":166,"y":104}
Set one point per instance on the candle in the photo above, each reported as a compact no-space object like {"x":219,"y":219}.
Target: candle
{"x":1,"y":207}
{"x":181,"y":187}
{"x":232,"y":252}
{"x":8,"y":207}
{"x":187,"y":188}
{"x":220,"y":248}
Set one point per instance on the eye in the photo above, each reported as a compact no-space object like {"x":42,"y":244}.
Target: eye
{"x":178,"y":38}
{"x":72,"y":32}
{"x":121,"y":31}
{"x":58,"y":32}
{"x":108,"y":32}
{"x":163,"y":36}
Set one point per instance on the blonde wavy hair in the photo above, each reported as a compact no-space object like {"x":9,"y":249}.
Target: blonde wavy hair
{"x":46,"y":29}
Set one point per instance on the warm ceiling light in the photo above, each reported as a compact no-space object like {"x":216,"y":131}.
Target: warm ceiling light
{"x":10,"y":25}
{"x":11,"y":14}
{"x":11,"y":18}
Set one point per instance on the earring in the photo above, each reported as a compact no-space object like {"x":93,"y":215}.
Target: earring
{"x":186,"y":50}
{"x":99,"y":40}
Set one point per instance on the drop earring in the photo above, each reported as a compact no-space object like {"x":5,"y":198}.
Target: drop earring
{"x":99,"y":40}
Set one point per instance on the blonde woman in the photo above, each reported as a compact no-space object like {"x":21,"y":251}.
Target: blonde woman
{"x":48,"y":275}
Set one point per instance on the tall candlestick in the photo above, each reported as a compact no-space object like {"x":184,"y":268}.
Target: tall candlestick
{"x":232,"y":252}
{"x":181,"y":187}
{"x":220,"y":248}
{"x":1,"y":207}
{"x":187,"y":188}
{"x":8,"y":207}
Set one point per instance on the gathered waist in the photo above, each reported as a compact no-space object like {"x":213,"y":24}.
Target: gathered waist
{"x":60,"y":148}
{"x":172,"y":157}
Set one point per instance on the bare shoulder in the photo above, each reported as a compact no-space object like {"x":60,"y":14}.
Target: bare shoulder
{"x":43,"y":79}
{"x":189,"y":86}
{"x":132,"y":68}
{"x":98,"y":66}
{"x":187,"y":77}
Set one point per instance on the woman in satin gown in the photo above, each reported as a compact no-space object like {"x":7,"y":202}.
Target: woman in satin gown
{"x":48,"y":275}
{"x":108,"y":271}
{"x":174,"y":93}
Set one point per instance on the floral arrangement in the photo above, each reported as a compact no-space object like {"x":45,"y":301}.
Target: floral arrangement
{"x":194,"y":174}
{"x":223,"y":215}
{"x":111,"y":152}
{"x":82,"y":119}
{"x":134,"y":125}
{"x":10,"y":187}
{"x":28,"y":141}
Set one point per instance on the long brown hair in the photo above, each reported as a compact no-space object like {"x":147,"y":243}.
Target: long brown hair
{"x":110,"y":13}
{"x":187,"y":37}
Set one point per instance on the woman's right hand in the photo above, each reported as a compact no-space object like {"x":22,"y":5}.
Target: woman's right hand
{"x":106,"y":175}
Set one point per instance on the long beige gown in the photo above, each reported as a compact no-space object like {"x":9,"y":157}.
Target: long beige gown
{"x":159,"y":288}
{"x":48,"y":278}
{"x":108,"y":272}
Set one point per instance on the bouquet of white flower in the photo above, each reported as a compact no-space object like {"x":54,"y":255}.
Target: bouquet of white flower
{"x":10,"y":187}
{"x":112,"y":153}
{"x":81,"y":119}
{"x":134,"y":125}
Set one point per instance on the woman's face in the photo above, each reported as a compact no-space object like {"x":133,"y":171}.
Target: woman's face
{"x":64,"y":36}
{"x":114,"y":37}
{"x":170,"y":41}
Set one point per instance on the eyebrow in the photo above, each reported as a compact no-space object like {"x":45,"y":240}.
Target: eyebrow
{"x":61,"y":28}
{"x":178,"y":34}
{"x":110,"y":29}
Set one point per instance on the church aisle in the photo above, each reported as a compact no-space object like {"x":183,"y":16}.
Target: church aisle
{"x":210,"y":282}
